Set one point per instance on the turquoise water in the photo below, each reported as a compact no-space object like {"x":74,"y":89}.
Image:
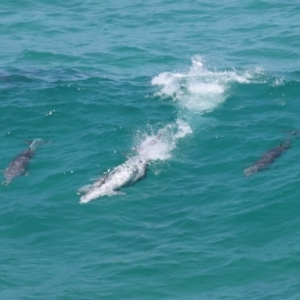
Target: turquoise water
{"x":219,"y":80}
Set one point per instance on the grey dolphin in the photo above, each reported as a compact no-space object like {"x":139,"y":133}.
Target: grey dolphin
{"x":269,"y":157}
{"x":18,"y":166}
{"x":125,"y":174}
{"x":131,"y":171}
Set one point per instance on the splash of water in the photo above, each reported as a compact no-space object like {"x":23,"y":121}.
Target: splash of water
{"x":160,"y":146}
{"x":199,"y":89}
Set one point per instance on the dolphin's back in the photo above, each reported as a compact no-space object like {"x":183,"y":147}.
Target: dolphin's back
{"x":270,"y":156}
{"x":18,"y":166}
{"x":267,"y":158}
{"x":125,"y":174}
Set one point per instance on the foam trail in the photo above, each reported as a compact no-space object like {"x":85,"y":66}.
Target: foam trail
{"x":163,"y":147}
{"x":151,"y":148}
{"x":199,"y":89}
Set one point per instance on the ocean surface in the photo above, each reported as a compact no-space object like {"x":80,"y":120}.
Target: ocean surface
{"x":216,"y":84}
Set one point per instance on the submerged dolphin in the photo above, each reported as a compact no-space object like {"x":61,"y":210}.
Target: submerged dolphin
{"x":132,"y":170}
{"x":269,"y":157}
{"x":18,"y":166}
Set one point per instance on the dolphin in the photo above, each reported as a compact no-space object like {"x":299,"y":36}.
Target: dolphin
{"x":132,"y":170}
{"x":18,"y":166}
{"x":269,"y":157}
{"x":125,"y":174}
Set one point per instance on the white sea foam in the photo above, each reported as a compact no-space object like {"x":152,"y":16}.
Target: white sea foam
{"x":159,"y":146}
{"x":199,"y":89}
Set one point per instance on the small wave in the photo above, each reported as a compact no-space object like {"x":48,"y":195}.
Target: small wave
{"x":199,"y":89}
{"x":278,"y":82}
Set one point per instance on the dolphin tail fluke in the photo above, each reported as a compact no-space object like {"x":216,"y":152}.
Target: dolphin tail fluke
{"x":34,"y":144}
{"x":6,"y":182}
{"x":39,"y":141}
